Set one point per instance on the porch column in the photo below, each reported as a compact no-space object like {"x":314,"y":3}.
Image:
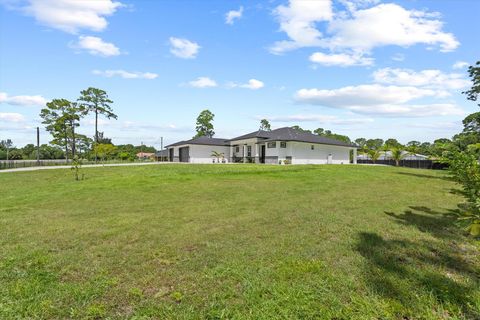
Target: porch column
{"x":354,"y":155}
{"x":257,"y":157}
{"x":244,"y":153}
{"x":231,"y":154}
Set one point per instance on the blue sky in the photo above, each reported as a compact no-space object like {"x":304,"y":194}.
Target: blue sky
{"x":363,"y":68}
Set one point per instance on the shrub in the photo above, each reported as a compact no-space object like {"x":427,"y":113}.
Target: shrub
{"x":465,"y":169}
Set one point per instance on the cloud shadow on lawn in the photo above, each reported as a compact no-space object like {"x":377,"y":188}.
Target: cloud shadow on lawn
{"x":411,"y":272}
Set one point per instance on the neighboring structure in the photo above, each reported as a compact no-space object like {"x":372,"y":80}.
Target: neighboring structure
{"x":145,"y":155}
{"x":388,"y":156}
{"x":274,"y":147}
{"x":161,"y":155}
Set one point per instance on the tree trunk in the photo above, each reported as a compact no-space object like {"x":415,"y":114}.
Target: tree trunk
{"x":73,"y":141}
{"x":66,"y":145}
{"x":96,"y":134}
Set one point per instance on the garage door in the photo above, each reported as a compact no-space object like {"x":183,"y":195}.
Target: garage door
{"x":184,"y":154}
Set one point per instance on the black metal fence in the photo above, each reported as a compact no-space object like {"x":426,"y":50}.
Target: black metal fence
{"x":419,"y":164}
{"x":11,"y":164}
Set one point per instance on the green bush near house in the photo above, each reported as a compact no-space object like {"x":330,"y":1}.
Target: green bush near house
{"x":235,"y":242}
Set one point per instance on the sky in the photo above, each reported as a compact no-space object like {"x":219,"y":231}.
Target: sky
{"x":364,"y":68}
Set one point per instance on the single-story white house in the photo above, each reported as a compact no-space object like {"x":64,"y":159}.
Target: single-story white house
{"x":283,"y":145}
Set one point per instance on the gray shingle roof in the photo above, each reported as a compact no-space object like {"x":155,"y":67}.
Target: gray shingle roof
{"x":203,"y":141}
{"x":290,"y":134}
{"x":280,"y":134}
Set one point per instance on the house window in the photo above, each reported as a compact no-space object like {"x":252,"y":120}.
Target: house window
{"x":271,"y":145}
{"x":283,"y":144}
{"x":237,"y":149}
{"x":249,"y":151}
{"x":312,"y":147}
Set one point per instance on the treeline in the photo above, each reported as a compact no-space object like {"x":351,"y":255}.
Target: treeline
{"x":108,"y":151}
{"x":61,"y":118}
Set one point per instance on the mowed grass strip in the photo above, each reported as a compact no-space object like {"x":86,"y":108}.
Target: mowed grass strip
{"x":236,"y":242}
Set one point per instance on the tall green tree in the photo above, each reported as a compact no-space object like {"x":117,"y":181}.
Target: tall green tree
{"x":298,"y":128}
{"x":265,"y":125}
{"x":204,"y":126}
{"x":474,"y":91}
{"x":61,"y":117}
{"x":96,"y":101}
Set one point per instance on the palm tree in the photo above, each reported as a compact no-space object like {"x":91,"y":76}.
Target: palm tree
{"x":218,"y":155}
{"x":374,"y":154}
{"x":397,"y":155}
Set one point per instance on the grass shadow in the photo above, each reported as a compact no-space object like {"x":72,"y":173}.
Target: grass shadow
{"x":422,"y":175}
{"x":439,"y":224}
{"x":419,"y":273}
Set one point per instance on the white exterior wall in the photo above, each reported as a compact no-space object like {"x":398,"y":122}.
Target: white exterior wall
{"x":240,"y":143}
{"x":302,"y":153}
{"x":201,"y":153}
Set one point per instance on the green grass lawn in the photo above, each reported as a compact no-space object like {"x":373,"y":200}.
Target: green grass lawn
{"x":236,"y":242}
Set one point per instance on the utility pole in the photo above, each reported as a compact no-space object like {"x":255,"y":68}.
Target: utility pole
{"x":161,"y":149}
{"x":38,"y":146}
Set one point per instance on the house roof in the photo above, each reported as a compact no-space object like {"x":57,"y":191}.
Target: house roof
{"x":255,"y":134}
{"x":290,"y":134}
{"x":203,"y":141}
{"x":280,"y":134}
{"x":162,"y":153}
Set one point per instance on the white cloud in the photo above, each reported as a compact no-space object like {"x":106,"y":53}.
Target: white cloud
{"x":318,"y":118}
{"x":184,"y":48}
{"x":460,"y":65}
{"x":72,"y":15}
{"x":425,"y":78}
{"x":96,"y":46}
{"x":389,"y":24}
{"x":36,"y":100}
{"x":358,"y":30}
{"x":231,"y":15}
{"x":341,"y":59}
{"x":363,"y":95}
{"x":11,"y":117}
{"x":398,"y":57}
{"x":379,"y":100}
{"x":252,"y":84}
{"x":407,"y":110}
{"x":126,"y":74}
{"x":203,"y":82}
{"x":298,"y":21}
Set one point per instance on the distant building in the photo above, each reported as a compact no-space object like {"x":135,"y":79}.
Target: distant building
{"x":145,"y":155}
{"x":388,"y":156}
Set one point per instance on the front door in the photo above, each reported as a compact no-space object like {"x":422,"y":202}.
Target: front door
{"x":262,"y":154}
{"x":330,"y":159}
{"x":170,"y":154}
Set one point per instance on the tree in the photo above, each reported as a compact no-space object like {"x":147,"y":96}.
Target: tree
{"x":374,"y":154}
{"x":265,"y":125}
{"x":397,"y":155}
{"x":474,"y":73}
{"x":218,"y":155}
{"x":61,"y":117}
{"x":96,"y":101}
{"x":413,"y":146}
{"x":298,"y":128}
{"x":105,"y":150}
{"x":374,"y":143}
{"x":6,"y":144}
{"x":204,"y":126}
{"x":102,"y":139}
{"x":393,"y":143}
